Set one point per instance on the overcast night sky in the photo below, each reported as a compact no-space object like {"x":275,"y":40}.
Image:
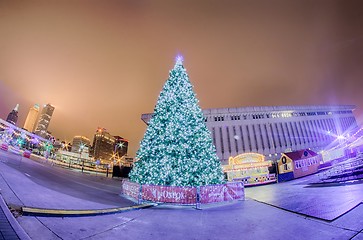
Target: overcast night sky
{"x":103,"y":63}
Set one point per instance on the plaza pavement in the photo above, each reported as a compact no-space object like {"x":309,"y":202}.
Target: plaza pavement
{"x":277,"y":211}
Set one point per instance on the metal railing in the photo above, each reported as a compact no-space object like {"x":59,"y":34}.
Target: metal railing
{"x":347,"y":170}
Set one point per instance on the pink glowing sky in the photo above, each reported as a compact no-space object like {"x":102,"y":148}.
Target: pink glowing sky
{"x":103,"y":63}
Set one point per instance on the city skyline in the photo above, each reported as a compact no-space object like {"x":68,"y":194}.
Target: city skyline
{"x":104,"y":64}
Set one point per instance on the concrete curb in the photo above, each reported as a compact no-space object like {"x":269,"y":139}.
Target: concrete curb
{"x":29,"y":211}
{"x":14,"y":224}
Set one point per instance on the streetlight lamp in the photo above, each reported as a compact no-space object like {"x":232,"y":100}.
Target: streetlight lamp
{"x":115,"y":157}
{"x":117,"y":146}
{"x":81,"y":147}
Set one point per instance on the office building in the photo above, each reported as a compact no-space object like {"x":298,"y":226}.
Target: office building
{"x":44,"y":120}
{"x":13,"y":115}
{"x":79,"y":141}
{"x":106,"y":147}
{"x":103,"y":146}
{"x":31,"y":119}
{"x":121,"y":146}
{"x":274,"y":130}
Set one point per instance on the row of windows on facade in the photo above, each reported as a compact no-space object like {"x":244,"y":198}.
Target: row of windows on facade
{"x":271,"y":115}
{"x":273,"y":135}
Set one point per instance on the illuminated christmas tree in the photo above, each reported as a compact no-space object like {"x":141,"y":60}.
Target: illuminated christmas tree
{"x":177,"y":148}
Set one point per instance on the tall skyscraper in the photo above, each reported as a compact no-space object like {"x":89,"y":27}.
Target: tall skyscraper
{"x":103,"y":145}
{"x":13,"y":115}
{"x":78,"y":141}
{"x":31,"y":119}
{"x":121,"y":146}
{"x":44,"y":120}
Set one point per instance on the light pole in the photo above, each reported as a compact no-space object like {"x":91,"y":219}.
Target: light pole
{"x":117,"y":146}
{"x":115,"y":155}
{"x":81,"y":147}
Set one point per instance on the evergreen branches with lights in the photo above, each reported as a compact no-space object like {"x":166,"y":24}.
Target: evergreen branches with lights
{"x":177,"y":148}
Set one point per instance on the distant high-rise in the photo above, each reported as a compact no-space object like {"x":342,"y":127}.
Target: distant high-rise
{"x":103,"y":145}
{"x":31,"y":119}
{"x":121,"y":146}
{"x":13,"y":115}
{"x":44,"y":120}
{"x":78,"y":141}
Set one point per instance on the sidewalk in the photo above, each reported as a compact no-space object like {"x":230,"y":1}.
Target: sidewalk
{"x":9,"y":227}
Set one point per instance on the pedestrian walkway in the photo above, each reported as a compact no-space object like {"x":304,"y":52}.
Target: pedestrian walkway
{"x":9,"y":227}
{"x":325,"y":202}
{"x":246,"y":220}
{"x":6,"y":230}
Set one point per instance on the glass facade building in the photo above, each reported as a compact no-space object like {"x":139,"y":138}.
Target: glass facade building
{"x":13,"y":115}
{"x":78,"y":141}
{"x":44,"y":120}
{"x":31,"y":118}
{"x":106,"y":147}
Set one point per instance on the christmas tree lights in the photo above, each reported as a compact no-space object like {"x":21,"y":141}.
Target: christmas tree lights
{"x":177,"y":148}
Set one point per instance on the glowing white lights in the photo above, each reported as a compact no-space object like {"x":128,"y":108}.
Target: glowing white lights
{"x":177,"y":148}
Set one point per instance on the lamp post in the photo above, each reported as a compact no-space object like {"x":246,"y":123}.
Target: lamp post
{"x":81,"y":147}
{"x":117,"y":146}
{"x":114,"y":156}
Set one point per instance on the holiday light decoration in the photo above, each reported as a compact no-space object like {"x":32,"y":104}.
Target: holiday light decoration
{"x":177,"y":149}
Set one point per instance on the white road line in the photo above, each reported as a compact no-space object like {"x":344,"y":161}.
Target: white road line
{"x":27,"y":174}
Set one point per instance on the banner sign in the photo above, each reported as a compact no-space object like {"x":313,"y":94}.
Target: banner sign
{"x":131,"y":189}
{"x":185,"y":195}
{"x":235,"y":191}
{"x":212,"y":194}
{"x":222,"y":193}
{"x":169,"y":194}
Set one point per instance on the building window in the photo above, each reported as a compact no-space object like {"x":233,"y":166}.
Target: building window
{"x":249,"y":138}
{"x":283,"y":134}
{"x":288,"y":133}
{"x":228,"y":140}
{"x":235,"y":138}
{"x":324,"y":129}
{"x":214,"y":136}
{"x":261,"y":137}
{"x":221,"y":138}
{"x":298,"y":133}
{"x":303,"y":133}
{"x":278,"y":134}
{"x":309,"y":131}
{"x":273,"y":136}
{"x":267,"y":137}
{"x":254,"y":136}
{"x":235,"y":117}
{"x":293,"y":133}
{"x":317,"y":130}
{"x":332,"y":125}
{"x":312,"y":131}
{"x":218,"y":118}
{"x":242,"y":139}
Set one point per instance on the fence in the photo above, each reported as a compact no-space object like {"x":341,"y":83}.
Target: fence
{"x":350,"y":169}
{"x":184,"y":195}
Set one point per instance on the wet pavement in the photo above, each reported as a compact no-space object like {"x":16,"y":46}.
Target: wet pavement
{"x":323,"y":201}
{"x":291,"y":210}
{"x":6,"y":230}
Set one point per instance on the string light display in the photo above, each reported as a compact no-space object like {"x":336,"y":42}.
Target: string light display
{"x":177,"y":149}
